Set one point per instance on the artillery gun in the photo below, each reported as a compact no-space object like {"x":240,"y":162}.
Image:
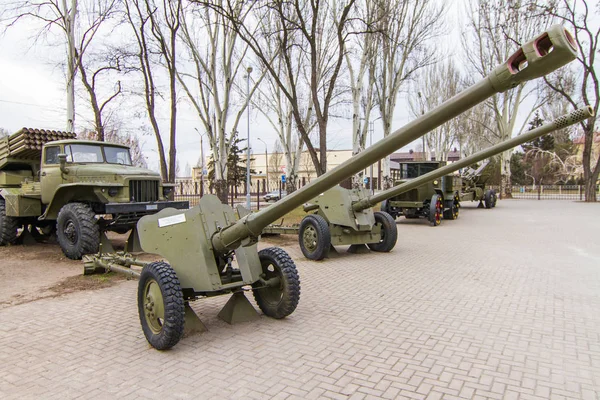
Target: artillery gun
{"x":473,"y":188}
{"x":433,"y":200}
{"x":77,"y":189}
{"x":211,"y":252}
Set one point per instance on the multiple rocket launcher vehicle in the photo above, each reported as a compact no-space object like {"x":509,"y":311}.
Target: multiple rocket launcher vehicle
{"x":211,"y":251}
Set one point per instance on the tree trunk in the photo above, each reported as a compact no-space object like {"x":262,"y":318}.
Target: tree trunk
{"x":322,"y":147}
{"x":590,"y":187}
{"x":221,"y":191}
{"x":505,"y":181}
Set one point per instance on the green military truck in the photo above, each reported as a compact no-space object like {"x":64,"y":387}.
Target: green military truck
{"x":51,"y":181}
{"x":434,"y":200}
{"x":474,"y":181}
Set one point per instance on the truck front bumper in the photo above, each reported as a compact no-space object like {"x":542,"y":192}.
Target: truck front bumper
{"x":144,"y":207}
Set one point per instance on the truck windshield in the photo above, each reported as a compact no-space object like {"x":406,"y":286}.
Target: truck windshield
{"x":89,"y":153}
{"x":410,"y":171}
{"x":117,"y":155}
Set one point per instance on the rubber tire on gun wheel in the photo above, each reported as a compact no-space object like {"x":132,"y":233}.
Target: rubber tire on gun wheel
{"x":436,"y":210}
{"x":314,"y":237}
{"x":8,"y":226}
{"x":488,"y":198}
{"x":83,"y":236}
{"x":280,"y":301}
{"x":494,"y":198}
{"x":389,"y":233}
{"x":163,"y":327}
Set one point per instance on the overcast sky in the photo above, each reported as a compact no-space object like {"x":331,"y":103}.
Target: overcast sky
{"x":32,"y":94}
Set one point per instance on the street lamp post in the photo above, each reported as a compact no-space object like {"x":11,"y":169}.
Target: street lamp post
{"x":248,"y":206}
{"x":266,"y":163}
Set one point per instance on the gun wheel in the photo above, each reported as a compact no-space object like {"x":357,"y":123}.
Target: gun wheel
{"x":280,"y":297}
{"x":494,"y":198}
{"x":436,"y":210}
{"x":453,"y":207}
{"x":314,"y":237}
{"x":389,"y":233}
{"x":8,"y":226}
{"x":489,"y":199}
{"x":160,"y":305}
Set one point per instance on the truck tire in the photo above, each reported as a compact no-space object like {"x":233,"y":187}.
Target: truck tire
{"x":314,"y":237}
{"x":389,"y":233}
{"x":77,"y":230}
{"x":277,"y":301}
{"x":436,"y":210}
{"x":160,"y":305}
{"x":8,"y":226}
{"x":452,"y":208}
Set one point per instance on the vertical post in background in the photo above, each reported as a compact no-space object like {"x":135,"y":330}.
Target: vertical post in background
{"x":266,"y":163}
{"x":249,"y":70}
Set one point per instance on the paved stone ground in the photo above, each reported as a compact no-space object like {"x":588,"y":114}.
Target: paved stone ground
{"x":501,"y":303}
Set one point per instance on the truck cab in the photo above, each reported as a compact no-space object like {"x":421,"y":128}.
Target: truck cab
{"x":81,"y":188}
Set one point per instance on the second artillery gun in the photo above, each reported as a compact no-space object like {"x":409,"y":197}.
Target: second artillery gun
{"x":474,"y":181}
{"x":212,"y":252}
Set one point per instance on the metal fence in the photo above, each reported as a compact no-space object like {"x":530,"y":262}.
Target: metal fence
{"x":192,"y":190}
{"x":550,"y":192}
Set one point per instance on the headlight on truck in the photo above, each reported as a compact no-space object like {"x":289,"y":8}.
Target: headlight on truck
{"x":113,"y":191}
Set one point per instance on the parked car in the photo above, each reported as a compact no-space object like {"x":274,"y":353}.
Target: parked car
{"x":274,"y":195}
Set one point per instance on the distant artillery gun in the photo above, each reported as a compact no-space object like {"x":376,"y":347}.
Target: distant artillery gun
{"x":212,"y":252}
{"x":473,"y":185}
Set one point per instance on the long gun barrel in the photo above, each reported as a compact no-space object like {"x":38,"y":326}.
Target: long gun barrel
{"x":538,"y":57}
{"x":559,"y":123}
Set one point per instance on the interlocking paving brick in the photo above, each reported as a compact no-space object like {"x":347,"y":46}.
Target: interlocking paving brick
{"x":500,"y":303}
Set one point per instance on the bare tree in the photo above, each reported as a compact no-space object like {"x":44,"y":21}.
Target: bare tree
{"x":402,"y":50}
{"x":496,"y":29}
{"x":53,"y":14}
{"x":361,"y":48}
{"x":318,"y":30}
{"x":436,"y":84}
{"x":581,"y":84}
{"x":217,"y":56}
{"x":93,"y":67}
{"x":278,"y":110}
{"x":155,"y":30}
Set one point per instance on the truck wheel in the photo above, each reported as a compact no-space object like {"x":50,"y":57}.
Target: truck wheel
{"x":281,"y":299}
{"x":488,"y":198}
{"x":435,"y":210}
{"x":314,"y":237}
{"x":453,"y":207}
{"x":77,"y":230}
{"x":160,"y":305}
{"x":393,"y":211}
{"x":389,"y":233}
{"x":8,"y":226}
